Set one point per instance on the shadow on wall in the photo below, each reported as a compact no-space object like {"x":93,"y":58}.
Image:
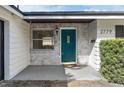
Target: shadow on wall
{"x":92,"y":53}
{"x":6,"y":48}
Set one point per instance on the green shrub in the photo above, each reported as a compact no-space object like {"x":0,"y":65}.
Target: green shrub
{"x":112,"y":60}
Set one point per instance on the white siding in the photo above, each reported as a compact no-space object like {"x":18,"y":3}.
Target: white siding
{"x":103,"y":32}
{"x":19,"y":43}
{"x":107,"y":25}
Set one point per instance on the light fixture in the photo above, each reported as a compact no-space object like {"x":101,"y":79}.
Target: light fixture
{"x":56,"y":27}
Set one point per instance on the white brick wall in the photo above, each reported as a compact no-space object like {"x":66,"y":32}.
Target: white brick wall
{"x":93,"y":46}
{"x":19,"y":43}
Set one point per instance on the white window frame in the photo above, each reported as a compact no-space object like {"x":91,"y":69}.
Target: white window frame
{"x":36,"y":29}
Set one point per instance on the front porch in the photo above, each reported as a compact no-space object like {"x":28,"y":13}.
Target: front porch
{"x":33,"y":44}
{"x":54,"y":72}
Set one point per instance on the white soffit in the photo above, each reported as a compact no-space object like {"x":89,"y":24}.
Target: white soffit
{"x":76,"y":17}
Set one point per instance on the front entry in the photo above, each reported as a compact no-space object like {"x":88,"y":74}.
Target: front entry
{"x":68,"y":45}
{"x":1,"y":50}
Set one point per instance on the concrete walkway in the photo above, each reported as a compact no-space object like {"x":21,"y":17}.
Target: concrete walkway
{"x":82,"y":73}
{"x":44,"y":72}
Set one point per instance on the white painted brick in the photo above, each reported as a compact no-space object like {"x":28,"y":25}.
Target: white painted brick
{"x":52,"y":57}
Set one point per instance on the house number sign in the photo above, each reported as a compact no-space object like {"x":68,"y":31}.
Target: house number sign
{"x":105,"y":31}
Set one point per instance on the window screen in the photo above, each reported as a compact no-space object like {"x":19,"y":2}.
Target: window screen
{"x":43,"y":39}
{"x":119,"y":31}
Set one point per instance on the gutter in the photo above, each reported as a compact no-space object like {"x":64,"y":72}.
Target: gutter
{"x":73,"y":13}
{"x":18,"y":10}
{"x":14,"y":10}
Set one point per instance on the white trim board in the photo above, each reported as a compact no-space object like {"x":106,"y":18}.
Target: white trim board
{"x":76,"y":17}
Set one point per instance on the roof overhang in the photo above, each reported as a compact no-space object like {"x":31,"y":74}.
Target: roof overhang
{"x":77,"y":17}
{"x":70,"y":19}
{"x":59,"y":20}
{"x":68,"y":16}
{"x":74,"y":15}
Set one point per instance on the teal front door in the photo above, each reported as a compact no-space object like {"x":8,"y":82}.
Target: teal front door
{"x":68,"y":45}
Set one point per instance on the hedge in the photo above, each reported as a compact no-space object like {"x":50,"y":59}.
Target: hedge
{"x":112,"y":60}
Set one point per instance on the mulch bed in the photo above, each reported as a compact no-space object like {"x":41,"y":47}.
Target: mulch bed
{"x":33,"y":83}
{"x":57,"y":83}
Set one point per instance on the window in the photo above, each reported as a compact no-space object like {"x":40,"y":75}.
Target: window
{"x":119,"y":31}
{"x":43,"y":39}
